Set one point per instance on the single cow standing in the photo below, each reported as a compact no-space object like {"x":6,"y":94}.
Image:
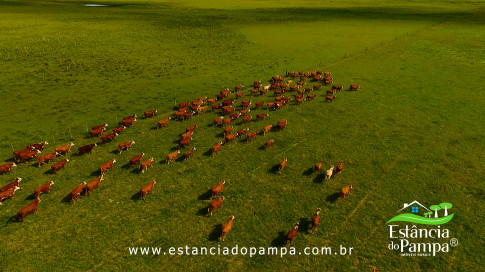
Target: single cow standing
{"x":147,"y":189}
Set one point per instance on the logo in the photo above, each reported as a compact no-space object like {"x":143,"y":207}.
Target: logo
{"x":424,"y":240}
{"x":431,"y":215}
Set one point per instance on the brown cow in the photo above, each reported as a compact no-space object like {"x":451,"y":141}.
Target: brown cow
{"x":230,"y":137}
{"x":318,"y":167}
{"x":163,"y":123}
{"x":292,"y":233}
{"x":109,"y":137}
{"x":184,"y":142}
{"x":187,"y":134}
{"x":136,"y":159}
{"x":47,"y":157}
{"x":329,"y":98}
{"x":39,"y":146}
{"x":8,"y":193}
{"x":344,"y":191}
{"x":226,"y":228}
{"x":172,"y":156}
{"x":261,"y":116}
{"x":28,"y":155}
{"x":282,"y":124}
{"x":216,"y":148}
{"x":332,"y":92}
{"x":242,"y":132}
{"x":251,"y":135}
{"x":267,"y":129}
{"x":59,"y":165}
{"x":147,"y":189}
{"x":218,"y":188}
{"x":64,"y":149}
{"x":192,"y":128}
{"x":354,"y":87}
{"x":7,"y":167}
{"x":42,"y":189}
{"x":268,"y":143}
{"x":227,"y":121}
{"x":86,"y":148}
{"x":227,"y":130}
{"x":94,"y":184}
{"x":335,"y":87}
{"x":150,"y":113}
{"x":106,"y":166}
{"x":128,"y":121}
{"x":340,"y":167}
{"x":189,"y":153}
{"x":283,"y":165}
{"x":119,"y":129}
{"x":246,"y":119}
{"x":77,"y":191}
{"x":315,"y":220}
{"x":259,"y":105}
{"x":310,"y":97}
{"x":15,"y":182}
{"x":17,"y":153}
{"x":218,"y":120}
{"x":31,"y":208}
{"x":214,"y":205}
{"x":144,"y":165}
{"x":96,"y":132}
{"x":126,"y":145}
{"x":184,"y":104}
{"x":102,"y":127}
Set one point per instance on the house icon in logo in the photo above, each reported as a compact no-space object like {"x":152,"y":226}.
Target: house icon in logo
{"x":414,"y":207}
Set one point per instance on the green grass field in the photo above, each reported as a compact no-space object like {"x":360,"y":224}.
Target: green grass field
{"x":414,"y":131}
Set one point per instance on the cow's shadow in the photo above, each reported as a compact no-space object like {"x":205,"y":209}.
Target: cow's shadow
{"x":67,"y":198}
{"x":309,"y":171}
{"x":202,"y":211}
{"x":320,"y":178}
{"x":304,"y":226}
{"x":216,"y":233}
{"x":205,"y":195}
{"x":30,"y":197}
{"x":96,"y":173}
{"x":333,"y":197}
{"x":275,"y":169}
{"x":279,"y":241}
{"x":116,"y":151}
{"x":136,"y":196}
{"x":137,"y":170}
{"x":208,"y":153}
{"x":126,"y":166}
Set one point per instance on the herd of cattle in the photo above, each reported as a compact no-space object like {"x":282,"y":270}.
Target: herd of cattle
{"x":296,"y":84}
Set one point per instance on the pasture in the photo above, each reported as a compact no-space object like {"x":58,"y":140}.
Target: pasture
{"x":414,"y":131}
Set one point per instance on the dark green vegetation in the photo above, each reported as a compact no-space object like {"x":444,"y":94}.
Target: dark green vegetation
{"x":413,"y":132}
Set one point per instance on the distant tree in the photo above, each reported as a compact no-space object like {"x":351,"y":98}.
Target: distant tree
{"x":446,"y":206}
{"x":435,"y":208}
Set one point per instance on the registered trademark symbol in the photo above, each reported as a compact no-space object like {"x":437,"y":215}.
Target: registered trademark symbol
{"x":454,"y":242}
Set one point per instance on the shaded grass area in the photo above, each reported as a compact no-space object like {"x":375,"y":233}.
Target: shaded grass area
{"x":405,"y":135}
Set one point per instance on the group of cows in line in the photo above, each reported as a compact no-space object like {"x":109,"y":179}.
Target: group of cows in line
{"x":185,"y":111}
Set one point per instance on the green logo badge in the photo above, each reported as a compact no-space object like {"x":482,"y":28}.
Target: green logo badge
{"x":428,"y":216}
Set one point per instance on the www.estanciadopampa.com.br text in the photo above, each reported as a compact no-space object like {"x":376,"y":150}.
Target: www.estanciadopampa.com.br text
{"x":243,"y":251}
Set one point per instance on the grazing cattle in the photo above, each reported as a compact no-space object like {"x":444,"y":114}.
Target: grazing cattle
{"x":340,"y":167}
{"x":251,"y":135}
{"x":268,"y":143}
{"x":119,"y":129}
{"x":263,"y":92}
{"x":8,"y":193}
{"x":218,"y":188}
{"x":163,"y":123}
{"x":103,"y":127}
{"x":39,"y":146}
{"x":299,"y":101}
{"x":17,"y":153}
{"x":192,"y":128}
{"x":261,"y":116}
{"x":244,"y":112}
{"x":230,"y":137}
{"x":332,"y":92}
{"x":106,"y":166}
{"x":184,"y":142}
{"x":283,"y":165}
{"x":182,"y":110}
{"x":202,"y":98}
{"x":28,"y":155}
{"x":195,"y":108}
{"x":318,"y":167}
{"x":189,"y":153}
{"x":42,"y":189}
{"x":188,"y":115}
{"x":255,"y":91}
{"x":59,"y":165}
{"x":86,"y":148}
{"x":216,"y":106}
{"x":179,"y":115}
{"x":202,"y":109}
{"x":282,"y":124}
{"x":337,"y":88}
{"x":329,"y":173}
{"x":64,"y":149}
{"x":259,"y":105}
{"x":317,"y":87}
{"x":328,"y":80}
{"x":15,"y":182}
{"x":211,"y":100}
{"x":238,"y":88}
{"x":344,"y":191}
{"x":329,"y":98}
{"x":354,"y":87}
{"x":311,"y":96}
{"x":246,"y":103}
{"x":96,"y":132}
{"x":326,"y":74}
{"x":136,"y":159}
{"x":7,"y":167}
{"x":47,"y":157}
{"x":234,"y":116}
{"x":172,"y":156}
{"x":126,"y":145}
{"x":130,"y":117}
{"x":77,"y":191}
{"x":227,"y":110}
{"x":109,"y":137}
{"x":270,"y":105}
{"x":298,"y":96}
{"x":267,"y":129}
{"x":257,"y":82}
{"x":242,"y":131}
{"x":246,"y":119}
{"x":150,"y":113}
{"x":292,"y":233}
{"x":128,"y":121}
{"x":227,"y":130}
{"x":22,"y":213}
{"x":308,"y":90}
{"x":214,"y":205}
{"x":315,"y":220}
{"x":294,"y":88}
{"x":226,"y":122}
{"x":187,"y":134}
{"x":227,"y":102}
{"x":226,"y":228}
{"x":147,"y":189}
{"x":216,"y":148}
{"x":184,"y":104}
{"x":239,"y":95}
{"x":94,"y":184}
{"x":218,"y":120}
